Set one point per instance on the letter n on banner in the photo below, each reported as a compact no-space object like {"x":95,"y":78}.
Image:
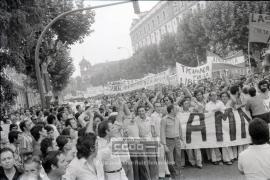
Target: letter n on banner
{"x":191,"y":127}
{"x":219,"y":116}
{"x":243,"y":117}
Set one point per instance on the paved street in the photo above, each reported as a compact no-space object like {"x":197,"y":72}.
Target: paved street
{"x":209,"y":172}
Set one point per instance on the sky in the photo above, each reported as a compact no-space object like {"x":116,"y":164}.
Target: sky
{"x":110,"y":40}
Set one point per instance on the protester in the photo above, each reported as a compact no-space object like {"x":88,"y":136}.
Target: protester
{"x":8,"y":170}
{"x":55,"y":165}
{"x":254,"y":162}
{"x":171,"y":134}
{"x":86,"y":139}
{"x":86,"y":165}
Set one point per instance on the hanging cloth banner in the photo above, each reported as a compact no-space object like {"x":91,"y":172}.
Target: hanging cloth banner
{"x":213,"y":130}
{"x":259,"y":28}
{"x":186,"y":75}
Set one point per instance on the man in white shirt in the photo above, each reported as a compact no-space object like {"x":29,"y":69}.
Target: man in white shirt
{"x":113,"y":169}
{"x":144,"y":124}
{"x":213,"y":106}
{"x":254,"y":162}
{"x":86,"y":166}
{"x":156,"y":118}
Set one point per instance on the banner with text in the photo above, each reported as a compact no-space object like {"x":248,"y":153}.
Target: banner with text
{"x":186,"y":75}
{"x":211,"y":130}
{"x":235,"y":59}
{"x":259,"y":28}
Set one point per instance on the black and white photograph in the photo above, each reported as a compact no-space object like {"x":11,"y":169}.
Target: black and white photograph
{"x":134,"y":90}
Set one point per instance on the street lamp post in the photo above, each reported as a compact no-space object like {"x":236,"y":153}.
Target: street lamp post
{"x":37,"y":62}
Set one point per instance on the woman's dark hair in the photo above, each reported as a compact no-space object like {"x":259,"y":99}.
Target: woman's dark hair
{"x":44,"y":145}
{"x":86,"y":145}
{"x":50,"y":119}
{"x":258,"y":131}
{"x":61,"y":141}
{"x":102,"y":127}
{"x":12,"y":136}
{"x":35,"y":131}
{"x":252,"y":92}
{"x":11,"y":126}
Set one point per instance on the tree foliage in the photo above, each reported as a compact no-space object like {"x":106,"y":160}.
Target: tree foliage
{"x":22,"y":21}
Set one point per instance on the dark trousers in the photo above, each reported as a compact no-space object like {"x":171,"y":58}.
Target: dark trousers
{"x":140,"y":168}
{"x":174,"y":156}
{"x":265,"y":117}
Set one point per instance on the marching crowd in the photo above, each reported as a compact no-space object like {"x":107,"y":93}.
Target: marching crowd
{"x":58,"y":143}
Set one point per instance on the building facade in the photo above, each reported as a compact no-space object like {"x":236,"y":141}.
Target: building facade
{"x":163,"y":18}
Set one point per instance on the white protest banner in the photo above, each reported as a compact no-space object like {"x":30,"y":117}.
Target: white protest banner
{"x":186,"y":75}
{"x":213,"y":58}
{"x":259,"y":28}
{"x":237,"y":58}
{"x":212,"y":130}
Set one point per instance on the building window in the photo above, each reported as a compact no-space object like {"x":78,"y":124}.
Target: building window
{"x":158,"y":20}
{"x":160,"y":32}
{"x":166,"y":28}
{"x":148,"y":27}
{"x":153,"y":22}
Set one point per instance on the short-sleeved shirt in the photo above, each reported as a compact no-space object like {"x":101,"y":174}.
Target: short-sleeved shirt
{"x":256,"y":106}
{"x":255,"y":162}
{"x":155,"y":122}
{"x":144,"y":127}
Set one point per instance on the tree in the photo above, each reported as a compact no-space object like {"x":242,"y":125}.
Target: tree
{"x":168,"y":48}
{"x":61,"y":69}
{"x":21,"y":23}
{"x":226,"y":24}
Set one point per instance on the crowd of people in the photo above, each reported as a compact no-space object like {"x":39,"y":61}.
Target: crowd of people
{"x":60,"y":143}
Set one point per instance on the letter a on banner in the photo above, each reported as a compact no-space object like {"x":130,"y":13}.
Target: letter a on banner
{"x":191,"y":127}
